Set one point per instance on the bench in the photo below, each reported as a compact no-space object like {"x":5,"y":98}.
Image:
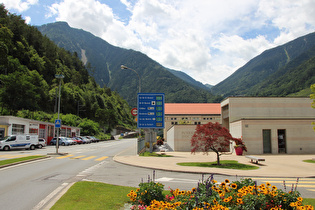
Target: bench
{"x":254,"y":159}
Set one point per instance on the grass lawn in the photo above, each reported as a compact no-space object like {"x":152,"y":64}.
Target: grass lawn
{"x":229,"y":164}
{"x":153,"y":154}
{"x":94,"y":195}
{"x":309,"y":161}
{"x":16,"y":160}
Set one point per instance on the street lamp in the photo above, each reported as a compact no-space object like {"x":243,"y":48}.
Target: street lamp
{"x":125,"y":67}
{"x":58,"y":76}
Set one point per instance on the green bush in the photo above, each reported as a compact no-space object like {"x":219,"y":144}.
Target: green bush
{"x":146,"y":193}
{"x":244,"y":194}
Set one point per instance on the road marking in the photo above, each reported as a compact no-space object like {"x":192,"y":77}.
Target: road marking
{"x":102,"y":158}
{"x":168,"y":179}
{"x":66,"y":156}
{"x":50,"y":196}
{"x":88,"y":158}
{"x":78,"y":157}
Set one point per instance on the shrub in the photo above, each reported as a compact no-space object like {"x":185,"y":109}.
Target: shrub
{"x":243,"y":194}
{"x":146,"y":193}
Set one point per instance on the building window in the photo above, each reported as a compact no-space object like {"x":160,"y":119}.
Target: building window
{"x":172,"y":123}
{"x":172,"y":118}
{"x":175,"y":123}
{"x":18,"y":129}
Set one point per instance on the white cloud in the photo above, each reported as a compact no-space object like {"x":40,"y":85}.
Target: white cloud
{"x":18,"y":5}
{"x":208,"y":40}
{"x":27,"y":19}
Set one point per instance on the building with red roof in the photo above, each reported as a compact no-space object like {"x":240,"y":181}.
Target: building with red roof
{"x":190,"y":114}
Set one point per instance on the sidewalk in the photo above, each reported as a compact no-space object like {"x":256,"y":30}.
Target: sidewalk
{"x":273,"y":166}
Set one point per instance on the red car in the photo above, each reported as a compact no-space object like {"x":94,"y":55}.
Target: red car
{"x":78,"y":140}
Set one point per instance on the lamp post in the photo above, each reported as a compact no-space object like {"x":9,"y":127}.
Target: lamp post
{"x":125,"y":67}
{"x":58,"y":76}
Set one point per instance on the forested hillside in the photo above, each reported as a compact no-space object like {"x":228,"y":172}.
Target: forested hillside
{"x":104,"y":61}
{"x":281,"y":71}
{"x":29,"y":62}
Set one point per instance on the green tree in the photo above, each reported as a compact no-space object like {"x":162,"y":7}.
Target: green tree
{"x":312,"y":96}
{"x":89,"y":127}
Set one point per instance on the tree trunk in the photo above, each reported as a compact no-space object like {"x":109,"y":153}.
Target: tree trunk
{"x":218,"y":158}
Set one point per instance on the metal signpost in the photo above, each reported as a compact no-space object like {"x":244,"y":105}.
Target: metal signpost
{"x":151,"y":113}
{"x":58,"y":121}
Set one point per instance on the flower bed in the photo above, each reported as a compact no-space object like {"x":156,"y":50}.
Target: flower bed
{"x":243,"y":194}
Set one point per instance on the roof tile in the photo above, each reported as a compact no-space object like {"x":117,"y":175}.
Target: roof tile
{"x":192,"y":108}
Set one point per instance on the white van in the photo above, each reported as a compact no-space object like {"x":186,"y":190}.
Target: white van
{"x":21,"y":141}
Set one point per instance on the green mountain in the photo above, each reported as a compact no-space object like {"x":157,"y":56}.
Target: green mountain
{"x":189,"y":79}
{"x":29,"y":62}
{"x":104,"y":62}
{"x":286,"y":69}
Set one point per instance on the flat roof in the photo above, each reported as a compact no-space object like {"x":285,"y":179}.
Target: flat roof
{"x":192,"y":108}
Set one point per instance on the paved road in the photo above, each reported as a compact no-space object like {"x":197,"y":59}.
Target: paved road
{"x":37,"y":185}
{"x":34,"y":185}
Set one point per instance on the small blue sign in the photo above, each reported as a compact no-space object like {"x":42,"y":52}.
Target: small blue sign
{"x":151,"y":110}
{"x":57,"y":123}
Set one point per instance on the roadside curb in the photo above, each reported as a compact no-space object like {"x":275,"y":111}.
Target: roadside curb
{"x":24,"y":161}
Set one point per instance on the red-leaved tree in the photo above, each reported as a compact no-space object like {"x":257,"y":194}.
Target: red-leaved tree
{"x":211,"y":137}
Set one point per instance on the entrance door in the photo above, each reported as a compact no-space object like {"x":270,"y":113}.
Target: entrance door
{"x":267,"y":140}
{"x":282,"y":141}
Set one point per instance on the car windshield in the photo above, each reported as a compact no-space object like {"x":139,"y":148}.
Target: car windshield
{"x":4,"y":138}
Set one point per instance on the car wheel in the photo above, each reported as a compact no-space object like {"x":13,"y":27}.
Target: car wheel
{"x":32,"y":147}
{"x":40,"y":146}
{"x":6,"y":148}
{"x":63,"y":144}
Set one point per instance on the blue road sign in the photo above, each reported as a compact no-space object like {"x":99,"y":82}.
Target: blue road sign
{"x":57,"y":123}
{"x":151,"y":110}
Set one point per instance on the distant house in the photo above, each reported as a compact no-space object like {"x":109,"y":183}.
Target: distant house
{"x":271,"y":125}
{"x":181,"y":120}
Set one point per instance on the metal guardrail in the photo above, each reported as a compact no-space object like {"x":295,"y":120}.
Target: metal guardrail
{"x":141,"y":145}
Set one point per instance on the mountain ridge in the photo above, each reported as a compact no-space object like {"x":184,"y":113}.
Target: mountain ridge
{"x":263,"y":66}
{"x":104,"y":61}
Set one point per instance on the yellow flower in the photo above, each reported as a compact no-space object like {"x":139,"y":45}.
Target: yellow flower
{"x":268,"y":184}
{"x":234,"y":186}
{"x":227,"y":181}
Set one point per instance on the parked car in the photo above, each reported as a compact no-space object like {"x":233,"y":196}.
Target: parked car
{"x":71,"y":141}
{"x":62,"y":141}
{"x":93,"y":139}
{"x":20,"y":141}
{"x":87,"y":141}
{"x":41,"y":143}
{"x":78,"y":140}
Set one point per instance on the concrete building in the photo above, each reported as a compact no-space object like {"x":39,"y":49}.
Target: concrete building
{"x":181,"y":120}
{"x":10,"y":125}
{"x":271,"y":125}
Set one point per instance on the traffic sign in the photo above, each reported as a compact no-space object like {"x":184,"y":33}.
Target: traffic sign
{"x":134,"y":111}
{"x":58,"y":123}
{"x":151,"y":110}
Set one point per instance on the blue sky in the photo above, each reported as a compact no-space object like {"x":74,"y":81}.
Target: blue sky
{"x":208,"y":40}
